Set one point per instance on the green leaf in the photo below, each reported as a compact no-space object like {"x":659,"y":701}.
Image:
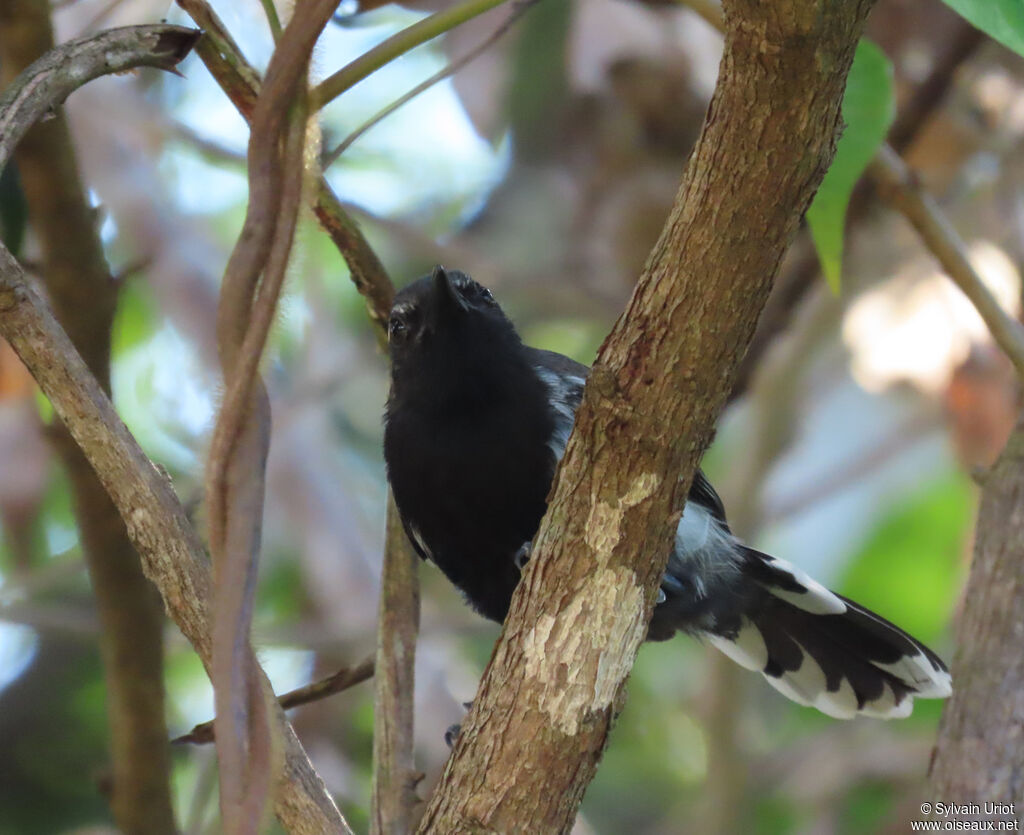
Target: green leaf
{"x":868,"y":111}
{"x":1002,"y":20}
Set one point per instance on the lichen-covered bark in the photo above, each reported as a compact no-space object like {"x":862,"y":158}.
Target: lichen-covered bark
{"x":544,"y":709}
{"x":980,"y":752}
{"x":84,"y":296}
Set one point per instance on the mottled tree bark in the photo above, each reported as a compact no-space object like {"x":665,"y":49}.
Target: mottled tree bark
{"x":84,"y":296}
{"x":980,"y":752}
{"x":541,"y":718}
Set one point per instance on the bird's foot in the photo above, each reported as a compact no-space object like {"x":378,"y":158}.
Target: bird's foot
{"x":453,"y":731}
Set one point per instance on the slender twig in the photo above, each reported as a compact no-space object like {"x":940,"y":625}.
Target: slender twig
{"x":931,"y":92}
{"x":173,"y":557}
{"x":273,"y":19}
{"x":394,"y":773}
{"x":519,"y":7}
{"x":236,"y":468}
{"x":900,"y":187}
{"x":333,"y":684}
{"x":211,"y":149}
{"x":398,"y":44}
{"x":241,"y":83}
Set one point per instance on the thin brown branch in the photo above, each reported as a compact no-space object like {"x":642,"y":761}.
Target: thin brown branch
{"x":979,"y":757}
{"x":241,"y":83}
{"x":56,"y":75}
{"x":541,"y":717}
{"x":172,"y":555}
{"x":900,"y":188}
{"x":961,"y":43}
{"x":210,"y":149}
{"x":84,"y":294}
{"x":519,"y":8}
{"x":395,"y":777}
{"x":236,"y":468}
{"x":345,"y":678}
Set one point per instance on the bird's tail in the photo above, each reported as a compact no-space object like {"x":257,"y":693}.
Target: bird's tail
{"x":820,"y":649}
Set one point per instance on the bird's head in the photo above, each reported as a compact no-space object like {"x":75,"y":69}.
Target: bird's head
{"x":446,"y":319}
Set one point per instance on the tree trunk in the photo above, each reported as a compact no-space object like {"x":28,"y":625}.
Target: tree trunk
{"x":980,"y":753}
{"x":541,"y":718}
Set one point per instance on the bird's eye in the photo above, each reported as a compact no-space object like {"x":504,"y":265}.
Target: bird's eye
{"x":478,"y":293}
{"x":396,"y":329}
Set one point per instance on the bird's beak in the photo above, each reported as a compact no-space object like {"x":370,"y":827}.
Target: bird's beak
{"x":448,"y":297}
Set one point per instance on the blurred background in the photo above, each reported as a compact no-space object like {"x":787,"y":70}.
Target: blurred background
{"x":545,"y":169}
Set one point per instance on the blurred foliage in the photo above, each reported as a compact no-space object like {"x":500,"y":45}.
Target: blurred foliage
{"x":868,"y":110}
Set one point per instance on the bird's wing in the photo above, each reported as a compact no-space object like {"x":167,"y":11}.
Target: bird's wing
{"x":557,"y":363}
{"x":565,"y":379}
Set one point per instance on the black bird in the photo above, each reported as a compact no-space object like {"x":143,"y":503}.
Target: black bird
{"x":476,"y":422}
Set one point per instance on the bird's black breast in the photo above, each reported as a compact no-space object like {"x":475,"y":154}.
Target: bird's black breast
{"x":471,"y":485}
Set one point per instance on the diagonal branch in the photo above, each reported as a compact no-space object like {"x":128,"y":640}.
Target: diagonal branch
{"x":395,"y":778}
{"x":56,"y":75}
{"x":172,"y":555}
{"x":978,"y":757}
{"x":397,"y":45}
{"x":338,"y":682}
{"x":240,"y":81}
{"x":519,"y":8}
{"x":898,"y":185}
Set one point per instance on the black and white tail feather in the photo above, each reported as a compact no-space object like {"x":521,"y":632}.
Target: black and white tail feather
{"x":814,"y":646}
{"x":823,"y":650}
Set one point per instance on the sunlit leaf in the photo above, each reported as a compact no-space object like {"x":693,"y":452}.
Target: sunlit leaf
{"x":1002,"y":20}
{"x":867,"y":111}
